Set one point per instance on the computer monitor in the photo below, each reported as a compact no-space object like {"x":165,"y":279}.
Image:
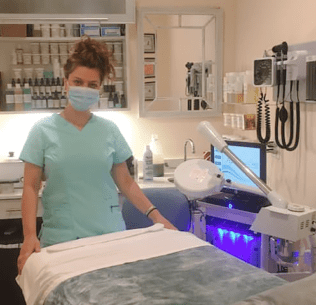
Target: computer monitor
{"x":252,"y":154}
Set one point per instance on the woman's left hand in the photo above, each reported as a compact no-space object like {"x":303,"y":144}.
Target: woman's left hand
{"x":156,"y":217}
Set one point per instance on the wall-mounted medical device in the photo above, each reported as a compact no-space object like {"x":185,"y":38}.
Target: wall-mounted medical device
{"x":264,"y":72}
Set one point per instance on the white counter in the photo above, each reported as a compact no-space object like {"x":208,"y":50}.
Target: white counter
{"x":10,"y":204}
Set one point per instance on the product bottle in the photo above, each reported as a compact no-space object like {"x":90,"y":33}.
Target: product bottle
{"x":58,"y":86}
{"x":27,"y":97}
{"x":9,"y":97}
{"x":19,"y":55}
{"x":63,"y":100}
{"x":42,"y":87}
{"x":147,"y":164}
{"x":56,"y":100}
{"x":111,"y":101}
{"x":50,"y":102}
{"x":18,"y":98}
{"x":117,"y":103}
{"x":34,"y":100}
{"x":158,"y":159}
{"x":123,"y":100}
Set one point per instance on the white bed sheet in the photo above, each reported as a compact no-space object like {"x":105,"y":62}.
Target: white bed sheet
{"x":45,"y":270}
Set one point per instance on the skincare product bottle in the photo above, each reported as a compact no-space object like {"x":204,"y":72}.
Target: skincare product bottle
{"x":18,"y":98}
{"x":63,"y":100}
{"x":147,"y":164}
{"x":9,"y":97}
{"x":27,"y":97}
{"x":19,"y":55}
{"x":158,"y":159}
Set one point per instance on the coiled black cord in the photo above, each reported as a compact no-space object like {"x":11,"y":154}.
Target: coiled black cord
{"x":298,"y":120}
{"x":262,"y":100}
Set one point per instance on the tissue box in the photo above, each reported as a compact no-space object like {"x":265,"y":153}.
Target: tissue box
{"x":110,"y":31}
{"x":90,"y":30}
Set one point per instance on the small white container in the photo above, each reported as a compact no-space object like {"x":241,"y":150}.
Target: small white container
{"x":44,"y":47}
{"x":39,"y":72}
{"x":63,"y":59}
{"x":27,"y":58}
{"x":45,"y":59}
{"x":63,"y":47}
{"x":118,"y":57}
{"x":54,"y":57}
{"x":54,"y":47}
{"x":69,"y":30}
{"x":17,"y":73}
{"x":117,"y":47}
{"x":118,"y":86}
{"x":36,"y":58}
{"x":62,"y":31}
{"x":118,"y":72}
{"x":70,"y":46}
{"x":35,"y":48}
{"x":55,"y":30}
{"x":45,"y":29}
{"x":28,"y":73}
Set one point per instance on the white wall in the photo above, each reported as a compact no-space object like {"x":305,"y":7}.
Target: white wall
{"x":171,"y":132}
{"x":259,"y":26}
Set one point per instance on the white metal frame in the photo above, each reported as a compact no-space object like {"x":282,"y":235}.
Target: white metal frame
{"x":218,"y":15}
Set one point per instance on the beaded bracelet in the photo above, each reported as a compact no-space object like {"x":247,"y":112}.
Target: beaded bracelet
{"x":152,"y":208}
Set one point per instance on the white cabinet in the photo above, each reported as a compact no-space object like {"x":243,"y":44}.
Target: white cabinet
{"x":80,"y":11}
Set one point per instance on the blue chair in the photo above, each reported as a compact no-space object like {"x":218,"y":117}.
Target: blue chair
{"x":172,"y":204}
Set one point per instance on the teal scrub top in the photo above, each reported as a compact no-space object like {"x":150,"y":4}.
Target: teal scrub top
{"x":80,"y":197}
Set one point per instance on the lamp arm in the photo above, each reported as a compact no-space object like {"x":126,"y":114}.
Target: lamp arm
{"x":216,"y":140}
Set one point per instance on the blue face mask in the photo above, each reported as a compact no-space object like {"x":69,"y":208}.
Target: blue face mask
{"x":82,"y":98}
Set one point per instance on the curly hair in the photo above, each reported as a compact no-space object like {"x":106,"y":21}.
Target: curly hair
{"x":91,"y":54}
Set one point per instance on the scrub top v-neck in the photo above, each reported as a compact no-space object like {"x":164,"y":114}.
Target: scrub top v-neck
{"x":80,"y":194}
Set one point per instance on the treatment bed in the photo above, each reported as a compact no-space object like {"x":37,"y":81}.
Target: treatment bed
{"x":142,"y":266}
{"x":148,"y":265}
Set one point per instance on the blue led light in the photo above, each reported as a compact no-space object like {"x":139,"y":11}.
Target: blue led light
{"x":235,"y":240}
{"x":230,"y":206}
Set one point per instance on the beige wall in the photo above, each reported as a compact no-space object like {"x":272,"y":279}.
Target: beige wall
{"x":250,"y":27}
{"x":171,"y":132}
{"x":259,"y":26}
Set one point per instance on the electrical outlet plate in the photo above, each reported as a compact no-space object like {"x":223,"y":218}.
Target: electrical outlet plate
{"x":264,"y":72}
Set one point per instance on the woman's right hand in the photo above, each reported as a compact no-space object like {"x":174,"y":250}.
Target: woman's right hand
{"x":29,"y":246}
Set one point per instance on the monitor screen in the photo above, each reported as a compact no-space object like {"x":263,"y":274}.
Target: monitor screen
{"x":250,"y":153}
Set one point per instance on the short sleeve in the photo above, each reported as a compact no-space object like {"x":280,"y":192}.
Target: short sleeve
{"x":33,"y":149}
{"x":122,"y":149}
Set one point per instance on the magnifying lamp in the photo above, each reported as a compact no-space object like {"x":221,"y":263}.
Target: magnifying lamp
{"x":200,"y":178}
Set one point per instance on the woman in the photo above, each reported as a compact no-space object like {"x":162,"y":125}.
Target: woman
{"x":83,"y":159}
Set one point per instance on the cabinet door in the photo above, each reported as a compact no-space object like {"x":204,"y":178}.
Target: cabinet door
{"x":38,"y":56}
{"x":82,"y":11}
{"x":180,"y":60}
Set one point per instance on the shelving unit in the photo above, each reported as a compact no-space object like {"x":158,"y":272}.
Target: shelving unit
{"x":10,"y":43}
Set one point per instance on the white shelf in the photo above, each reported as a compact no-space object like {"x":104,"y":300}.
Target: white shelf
{"x":35,"y":39}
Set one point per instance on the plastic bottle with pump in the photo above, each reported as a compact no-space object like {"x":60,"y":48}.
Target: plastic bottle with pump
{"x":148,"y":164}
{"x":158,"y":158}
